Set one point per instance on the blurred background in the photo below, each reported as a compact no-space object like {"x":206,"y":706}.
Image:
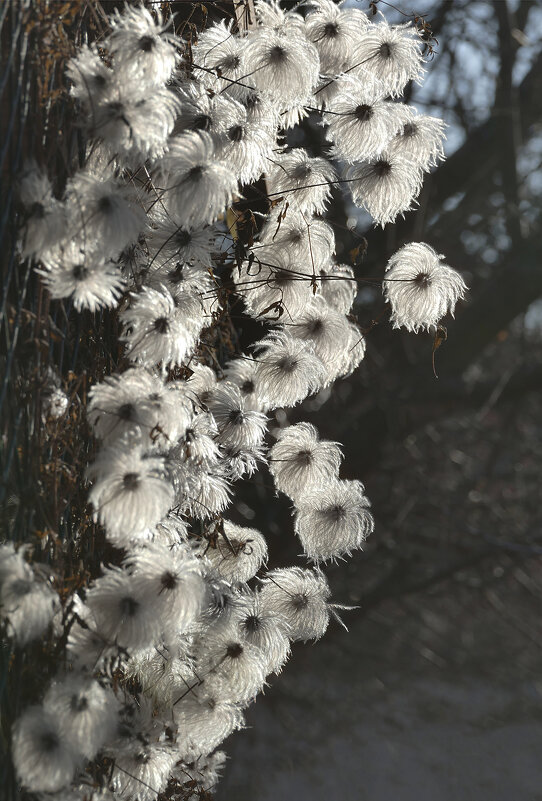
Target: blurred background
{"x":435,"y":692}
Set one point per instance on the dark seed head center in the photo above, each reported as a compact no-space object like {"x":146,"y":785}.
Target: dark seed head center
{"x":131,"y":481}
{"x":363,"y":112}
{"x":146,"y":43}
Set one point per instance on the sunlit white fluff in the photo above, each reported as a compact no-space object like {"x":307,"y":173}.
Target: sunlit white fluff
{"x":171,"y":531}
{"x":91,"y":79}
{"x":277,"y":289}
{"x":103,"y":209}
{"x":204,"y":720}
{"x":12,"y":562}
{"x":159,"y":672}
{"x":302,"y":181}
{"x":339,"y":286}
{"x":141,"y":44}
{"x":360,"y":122}
{"x":170,"y":582}
{"x":131,"y":492}
{"x":421,"y":140}
{"x":185,"y":636}
{"x":200,"y":109}
{"x":260,"y":109}
{"x":300,"y":597}
{"x":324,"y":327}
{"x":420,"y":288}
{"x":87,"y":649}
{"x":305,"y":239}
{"x":199,"y":184}
{"x":204,"y":771}
{"x":200,"y":383}
{"x":354,"y":351}
{"x":27,"y":604}
{"x":244,"y":144}
{"x":123,"y":617}
{"x":191,"y":287}
{"x":262,"y":628}
{"x":202,"y":489}
{"x":141,"y":770}
{"x":198,"y":444}
{"x":237,"y":426}
{"x":55,"y":401}
{"x":283,"y":66}
{"x":138,"y":400}
{"x":218,"y":52}
{"x":85,"y":711}
{"x":157,"y":330}
{"x":334,"y":30}
{"x":223,"y":597}
{"x":231,"y":667}
{"x":238,"y":553}
{"x":169,"y":242}
{"x":242,"y":373}
{"x":385,"y":187}
{"x":325,"y":91}
{"x":299,"y":462}
{"x":287,"y":370}
{"x":240,"y":462}
{"x":333,"y":520}
{"x":45,"y":760}
{"x":45,"y":218}
{"x":271,"y":16}
{"x":90,"y":279}
{"x":131,"y":122}
{"x":293,"y":115}
{"x":391,"y":53}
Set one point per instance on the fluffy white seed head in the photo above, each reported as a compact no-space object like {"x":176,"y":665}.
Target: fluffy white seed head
{"x":334,"y":31}
{"x":169,"y":581}
{"x":131,"y":491}
{"x":360,"y":122}
{"x":287,"y":370}
{"x":199,"y":184}
{"x":139,"y":401}
{"x":91,"y":280}
{"x":160,"y":327}
{"x":265,"y":629}
{"x":326,"y":329}
{"x":339,"y":286}
{"x":301,"y":598}
{"x":103,"y":210}
{"x":45,"y":760}
{"x":219,"y":53}
{"x":421,"y":140}
{"x":238,"y":427}
{"x":238,"y":552}
{"x":385,"y":187}
{"x":299,"y":462}
{"x":85,"y":711}
{"x":284,"y":66}
{"x":123,"y":616}
{"x":141,"y":45}
{"x":301,"y":181}
{"x":333,"y":520}
{"x":390,"y":53}
{"x":141,"y":770}
{"x":204,"y":720}
{"x":420,"y":289}
{"x":232,"y":668}
{"x":27,"y":603}
{"x":306,"y":239}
